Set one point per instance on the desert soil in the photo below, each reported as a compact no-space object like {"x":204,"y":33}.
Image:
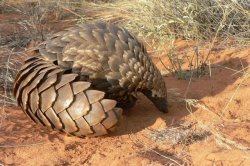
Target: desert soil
{"x":220,"y":106}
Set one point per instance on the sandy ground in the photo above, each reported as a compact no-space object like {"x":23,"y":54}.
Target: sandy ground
{"x":220,"y":106}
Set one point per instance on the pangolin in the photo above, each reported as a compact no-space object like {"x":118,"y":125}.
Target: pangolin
{"x":81,"y":78}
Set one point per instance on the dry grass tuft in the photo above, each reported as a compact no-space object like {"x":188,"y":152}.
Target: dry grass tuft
{"x":179,"y":135}
{"x":37,"y":15}
{"x":164,"y":157}
{"x":9,"y":67}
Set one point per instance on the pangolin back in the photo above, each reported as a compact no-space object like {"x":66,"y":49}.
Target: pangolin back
{"x":80,"y":76}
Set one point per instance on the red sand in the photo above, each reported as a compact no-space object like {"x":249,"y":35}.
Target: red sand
{"x":24,"y":143}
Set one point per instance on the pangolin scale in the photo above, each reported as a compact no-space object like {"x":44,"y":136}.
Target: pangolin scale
{"x":81,"y":78}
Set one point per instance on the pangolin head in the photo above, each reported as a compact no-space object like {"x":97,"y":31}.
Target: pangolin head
{"x":158,"y":95}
